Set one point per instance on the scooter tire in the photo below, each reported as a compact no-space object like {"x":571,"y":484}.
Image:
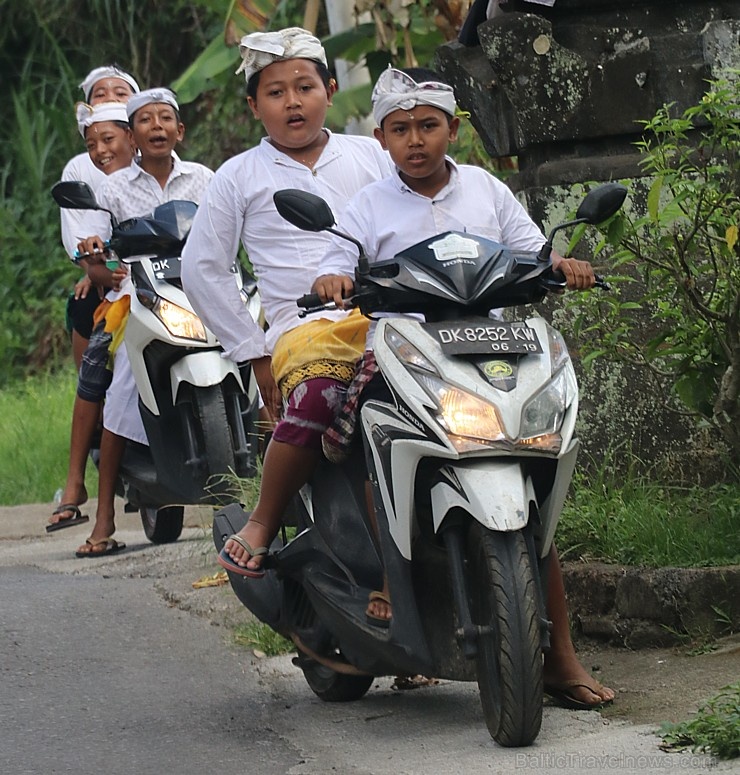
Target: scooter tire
{"x":162,"y":525}
{"x":330,"y":686}
{"x":509,"y":662}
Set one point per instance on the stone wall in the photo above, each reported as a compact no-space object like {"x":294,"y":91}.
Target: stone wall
{"x":564,"y":90}
{"x":639,"y":607}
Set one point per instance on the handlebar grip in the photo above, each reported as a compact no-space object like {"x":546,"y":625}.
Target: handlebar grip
{"x":81,"y":256}
{"x":309,"y":300}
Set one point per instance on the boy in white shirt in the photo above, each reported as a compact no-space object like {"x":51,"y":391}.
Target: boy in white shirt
{"x":289,"y":89}
{"x":155,"y":177}
{"x":101,"y":85}
{"x":106,"y":132}
{"x":429,"y":194}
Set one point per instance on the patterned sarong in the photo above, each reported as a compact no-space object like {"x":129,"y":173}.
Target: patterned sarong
{"x":338,"y":437}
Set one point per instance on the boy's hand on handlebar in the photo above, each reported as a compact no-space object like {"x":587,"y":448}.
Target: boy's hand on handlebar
{"x":92,"y":248}
{"x":579,"y":275}
{"x":333,"y":287}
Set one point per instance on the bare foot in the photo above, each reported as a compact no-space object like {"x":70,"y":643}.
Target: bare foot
{"x":256,"y":535}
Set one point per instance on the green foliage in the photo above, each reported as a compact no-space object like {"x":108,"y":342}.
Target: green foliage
{"x":675,"y":309}
{"x":634,"y":519}
{"x":35,"y":418}
{"x":35,"y":274}
{"x":715,"y":729}
{"x":45,"y":50}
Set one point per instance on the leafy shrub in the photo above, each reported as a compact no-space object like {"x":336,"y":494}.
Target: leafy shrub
{"x":675,"y":310}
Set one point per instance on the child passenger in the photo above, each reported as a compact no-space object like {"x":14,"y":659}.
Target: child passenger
{"x":428,"y":194}
{"x":155,"y":177}
{"x":110,"y":147}
{"x":103,"y":84}
{"x":289,"y":89}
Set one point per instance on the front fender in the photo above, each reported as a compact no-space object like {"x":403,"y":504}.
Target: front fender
{"x":204,"y":368}
{"x":494,"y":492}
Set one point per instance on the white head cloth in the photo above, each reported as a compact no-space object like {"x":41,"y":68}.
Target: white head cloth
{"x":395,"y":90}
{"x":260,"y":49}
{"x":87,"y":115}
{"x":106,"y":72}
{"x":149,"y":96}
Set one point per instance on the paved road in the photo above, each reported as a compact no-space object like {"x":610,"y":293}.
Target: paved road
{"x":102,"y":673}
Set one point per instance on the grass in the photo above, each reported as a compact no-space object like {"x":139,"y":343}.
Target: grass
{"x":634,"y":520}
{"x":35,"y":420}
{"x":262,"y":639}
{"x":715,"y":729}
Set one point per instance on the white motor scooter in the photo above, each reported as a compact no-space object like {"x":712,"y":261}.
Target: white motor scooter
{"x":199,"y":409}
{"x":469,"y":456}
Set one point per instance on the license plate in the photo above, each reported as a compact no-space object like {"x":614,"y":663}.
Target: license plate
{"x":482,"y":336}
{"x":166,"y":268}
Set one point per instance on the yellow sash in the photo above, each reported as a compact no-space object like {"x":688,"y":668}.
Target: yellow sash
{"x":115,"y":314}
{"x":321,"y":348}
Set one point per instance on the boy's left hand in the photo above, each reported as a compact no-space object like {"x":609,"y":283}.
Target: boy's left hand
{"x":579,"y":275}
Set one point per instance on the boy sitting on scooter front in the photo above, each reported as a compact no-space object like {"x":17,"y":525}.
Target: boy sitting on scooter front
{"x":429,"y":194}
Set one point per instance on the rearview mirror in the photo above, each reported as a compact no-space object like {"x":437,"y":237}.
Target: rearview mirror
{"x":74,"y":195}
{"x":601,"y":203}
{"x":306,"y":211}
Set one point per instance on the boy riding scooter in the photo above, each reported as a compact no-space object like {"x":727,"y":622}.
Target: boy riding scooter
{"x":428,"y":194}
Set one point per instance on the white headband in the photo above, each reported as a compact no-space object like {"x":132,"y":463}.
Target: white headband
{"x":395,"y":90}
{"x":149,"y":96}
{"x":260,"y":49}
{"x":106,"y":72}
{"x":87,"y":115}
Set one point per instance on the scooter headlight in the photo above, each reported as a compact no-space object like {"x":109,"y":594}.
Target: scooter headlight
{"x":468,"y":420}
{"x":461,"y":413}
{"x":178,"y":321}
{"x":542,"y":415}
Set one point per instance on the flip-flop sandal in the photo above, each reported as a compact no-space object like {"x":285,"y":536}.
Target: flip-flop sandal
{"x":77,"y":518}
{"x":376,"y":621}
{"x":225,"y":561}
{"x":563,"y":695}
{"x":111,"y":547}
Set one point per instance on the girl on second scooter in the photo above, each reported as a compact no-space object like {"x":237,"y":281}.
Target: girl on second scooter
{"x":428,"y":194}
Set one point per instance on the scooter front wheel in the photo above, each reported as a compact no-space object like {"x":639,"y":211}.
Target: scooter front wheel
{"x":331,"y":686}
{"x":162,"y":525}
{"x":509,"y":661}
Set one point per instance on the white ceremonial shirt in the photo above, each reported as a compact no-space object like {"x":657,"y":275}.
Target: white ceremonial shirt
{"x":388,"y":217}
{"x":239,"y":205}
{"x":81,"y":168}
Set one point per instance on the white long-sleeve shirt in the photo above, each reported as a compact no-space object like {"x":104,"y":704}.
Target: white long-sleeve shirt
{"x":132,"y":192}
{"x":388,"y":217}
{"x":78,"y":168}
{"x":239,"y":206}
